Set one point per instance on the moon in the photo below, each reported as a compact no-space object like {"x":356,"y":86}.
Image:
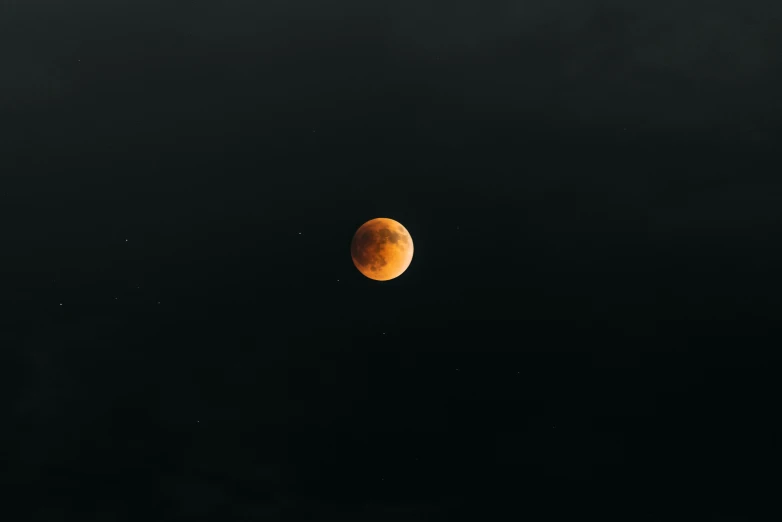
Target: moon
{"x":382,"y":249}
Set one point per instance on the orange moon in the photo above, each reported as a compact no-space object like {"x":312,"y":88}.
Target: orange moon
{"x":382,"y":249}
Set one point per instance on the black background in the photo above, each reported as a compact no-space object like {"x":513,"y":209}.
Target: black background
{"x":587,"y":328}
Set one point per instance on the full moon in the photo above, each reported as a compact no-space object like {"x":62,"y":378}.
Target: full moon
{"x":382,"y":249}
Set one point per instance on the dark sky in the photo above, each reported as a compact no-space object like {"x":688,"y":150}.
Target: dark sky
{"x":588,"y":326}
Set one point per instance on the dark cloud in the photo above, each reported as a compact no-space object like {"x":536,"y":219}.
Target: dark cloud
{"x":655,"y":65}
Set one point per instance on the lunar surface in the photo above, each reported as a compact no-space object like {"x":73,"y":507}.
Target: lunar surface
{"x":382,"y":249}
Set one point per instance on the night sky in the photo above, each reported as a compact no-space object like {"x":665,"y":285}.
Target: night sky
{"x":589,"y":326}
